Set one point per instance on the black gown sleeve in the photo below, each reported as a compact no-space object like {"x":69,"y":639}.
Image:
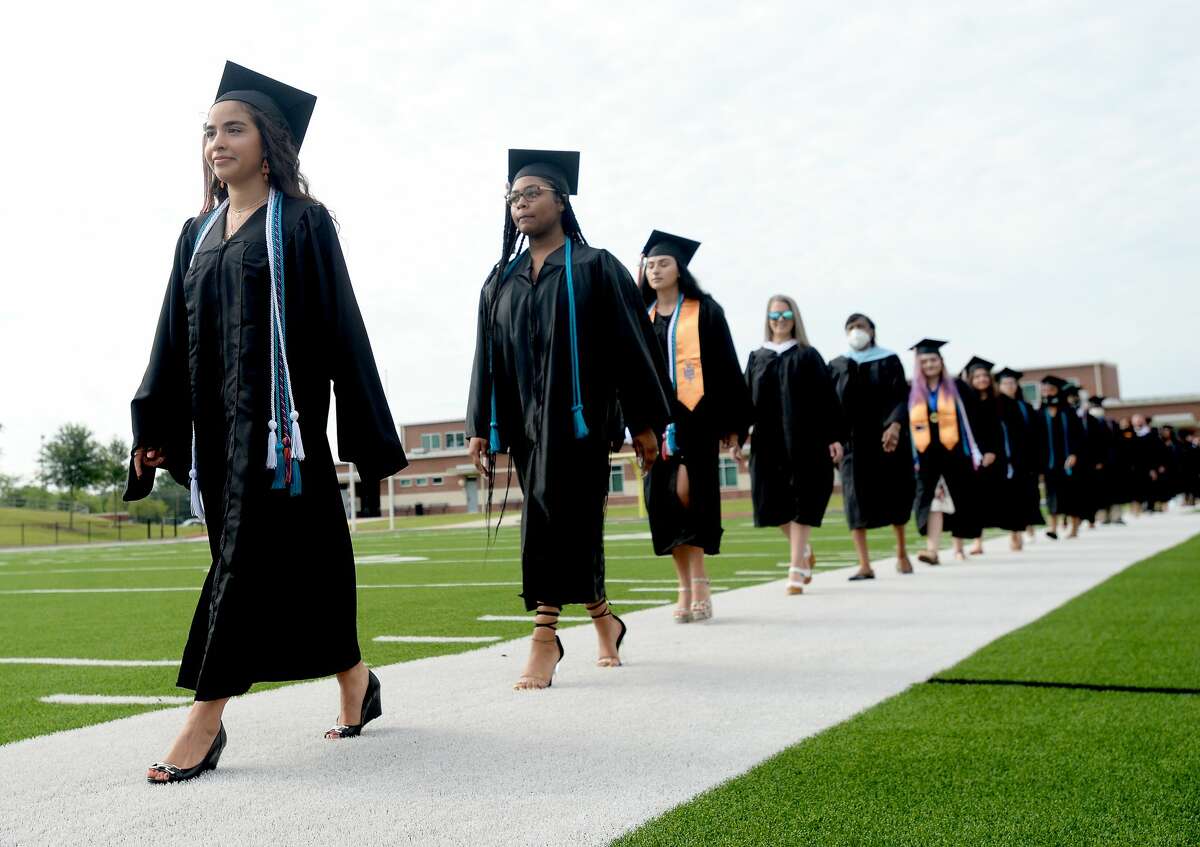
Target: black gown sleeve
{"x":731,"y":411}
{"x":479,"y":400}
{"x":161,"y":408}
{"x":366,"y":433}
{"x":826,"y":409}
{"x":639,"y":372}
{"x":894,"y":386}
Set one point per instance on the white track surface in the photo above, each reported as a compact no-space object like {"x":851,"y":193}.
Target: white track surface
{"x":458,"y":758}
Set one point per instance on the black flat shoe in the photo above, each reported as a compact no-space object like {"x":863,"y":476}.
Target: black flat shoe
{"x":372,"y":707}
{"x":858,"y":576}
{"x":208,"y":763}
{"x":1052,"y":536}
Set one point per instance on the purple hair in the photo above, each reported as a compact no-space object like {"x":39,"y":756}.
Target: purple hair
{"x":919,"y":394}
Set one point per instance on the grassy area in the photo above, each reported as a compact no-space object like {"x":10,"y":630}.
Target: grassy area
{"x":1001,"y":765}
{"x":35,"y":527}
{"x":152,"y":625}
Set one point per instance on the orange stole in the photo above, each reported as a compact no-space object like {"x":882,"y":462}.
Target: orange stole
{"x":688,"y":371}
{"x":946,"y":418}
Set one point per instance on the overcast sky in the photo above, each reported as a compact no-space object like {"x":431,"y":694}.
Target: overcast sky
{"x":1022,"y":182}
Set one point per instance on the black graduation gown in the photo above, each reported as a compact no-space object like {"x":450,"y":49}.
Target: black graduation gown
{"x":1122,"y":478}
{"x":279,"y":600}
{"x":796,"y":418}
{"x":724,"y":409}
{"x":1061,"y":435}
{"x":562,"y":516}
{"x":1100,"y":471}
{"x":1024,"y":449}
{"x":1002,"y":488}
{"x":877,"y":487}
{"x":956,"y":467}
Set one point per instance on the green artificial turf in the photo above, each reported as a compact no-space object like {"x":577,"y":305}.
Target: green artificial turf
{"x":1001,"y":765}
{"x":153,"y":625}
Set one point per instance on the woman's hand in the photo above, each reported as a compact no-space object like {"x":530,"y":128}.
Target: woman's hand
{"x":836,"y":453}
{"x":477,"y":449}
{"x":1070,"y":462}
{"x":891,"y":438}
{"x":735,"y":453}
{"x":988,"y":459}
{"x":152,"y":457}
{"x":645,"y":446}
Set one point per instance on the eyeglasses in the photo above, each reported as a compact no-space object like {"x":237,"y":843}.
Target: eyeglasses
{"x":530,"y":193}
{"x":781,"y":316}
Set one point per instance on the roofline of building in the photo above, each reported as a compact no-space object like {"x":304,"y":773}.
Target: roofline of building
{"x":1151,"y":401}
{"x":1102,"y":363}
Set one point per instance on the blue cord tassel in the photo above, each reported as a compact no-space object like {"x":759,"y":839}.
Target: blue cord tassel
{"x":581,"y":430}
{"x":280,"y":468}
{"x":295,"y":478}
{"x":672,"y":446}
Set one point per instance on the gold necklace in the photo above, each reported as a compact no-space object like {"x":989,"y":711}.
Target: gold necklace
{"x":230,"y":230}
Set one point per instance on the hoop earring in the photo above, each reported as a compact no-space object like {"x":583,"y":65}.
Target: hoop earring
{"x":221,"y":183}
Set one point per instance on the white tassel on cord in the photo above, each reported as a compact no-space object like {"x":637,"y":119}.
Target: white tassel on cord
{"x":297,"y":444}
{"x":193,"y":476}
{"x":272,"y":462}
{"x":197,"y":500}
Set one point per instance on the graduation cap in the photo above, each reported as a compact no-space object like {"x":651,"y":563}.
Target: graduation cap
{"x":1057,"y":381}
{"x":1005,"y":373}
{"x":928,"y":345}
{"x":290,"y":106}
{"x":978,"y":363}
{"x":560,"y":167}
{"x":1072,"y":390}
{"x":1095,"y":400}
{"x":664,"y":244}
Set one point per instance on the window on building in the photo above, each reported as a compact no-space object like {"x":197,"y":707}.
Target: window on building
{"x":406,"y":483}
{"x":1031,"y":393}
{"x":421,"y":480}
{"x":728,"y":472}
{"x":616,"y":479}
{"x":456,"y":440}
{"x":437,"y":480}
{"x":431,"y":441}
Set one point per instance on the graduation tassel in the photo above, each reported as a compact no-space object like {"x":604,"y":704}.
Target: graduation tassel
{"x":297,"y":444}
{"x":197,"y":500}
{"x":271,"y":443}
{"x":671,"y":446}
{"x":280,"y":467}
{"x":581,"y":430}
{"x":295,"y":487}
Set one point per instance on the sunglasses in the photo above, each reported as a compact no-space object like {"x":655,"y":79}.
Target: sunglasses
{"x":781,"y":316}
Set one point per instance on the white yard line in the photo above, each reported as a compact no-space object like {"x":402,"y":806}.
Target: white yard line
{"x":459,"y":758}
{"x":90,"y":663}
{"x":112,"y":700}
{"x":437,"y":639}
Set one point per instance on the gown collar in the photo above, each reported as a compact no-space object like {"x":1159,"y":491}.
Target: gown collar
{"x":780,"y":349}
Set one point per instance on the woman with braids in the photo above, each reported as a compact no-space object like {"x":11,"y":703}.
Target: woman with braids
{"x":711,"y":406}
{"x":259,"y":317}
{"x":562,"y":343}
{"x":945,"y":454}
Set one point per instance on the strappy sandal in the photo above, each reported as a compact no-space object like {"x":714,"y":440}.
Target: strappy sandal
{"x":538,"y":683}
{"x":608,"y":661}
{"x":372,"y":707}
{"x":208,"y":763}
{"x":702,"y":609}
{"x":797,"y":579}
{"x":683,"y":614}
{"x":928,"y":558}
{"x":903,"y":565}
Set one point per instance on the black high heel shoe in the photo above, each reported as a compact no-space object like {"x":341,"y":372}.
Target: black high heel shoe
{"x":609,"y":661}
{"x":208,"y":763}
{"x":537,"y":680}
{"x":372,"y":707}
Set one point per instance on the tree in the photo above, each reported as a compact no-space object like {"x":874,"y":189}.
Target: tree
{"x":73,"y":461}
{"x":115,"y":461}
{"x":148,"y":510}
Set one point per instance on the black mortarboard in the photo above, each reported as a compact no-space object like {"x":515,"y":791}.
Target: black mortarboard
{"x":561,"y":167}
{"x":1071,"y":390}
{"x":976,"y":363}
{"x":664,"y":244}
{"x":1095,"y":400}
{"x":1004,"y":373}
{"x":1057,"y":381}
{"x":928,"y":345}
{"x":290,"y":106}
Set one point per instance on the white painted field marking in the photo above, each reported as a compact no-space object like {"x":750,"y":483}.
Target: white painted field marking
{"x":97,"y":590}
{"x":676,"y":588}
{"x":638,"y":602}
{"x":388,"y":560}
{"x":112,"y":700}
{"x":89,"y":663}
{"x":758,"y":573}
{"x":103,"y":570}
{"x":436,"y":639}
{"x":438,"y":585}
{"x":628,"y":536}
{"x":529,"y":618}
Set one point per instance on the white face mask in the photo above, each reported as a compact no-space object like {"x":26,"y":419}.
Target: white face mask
{"x":1096,"y":412}
{"x":859,"y":338}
